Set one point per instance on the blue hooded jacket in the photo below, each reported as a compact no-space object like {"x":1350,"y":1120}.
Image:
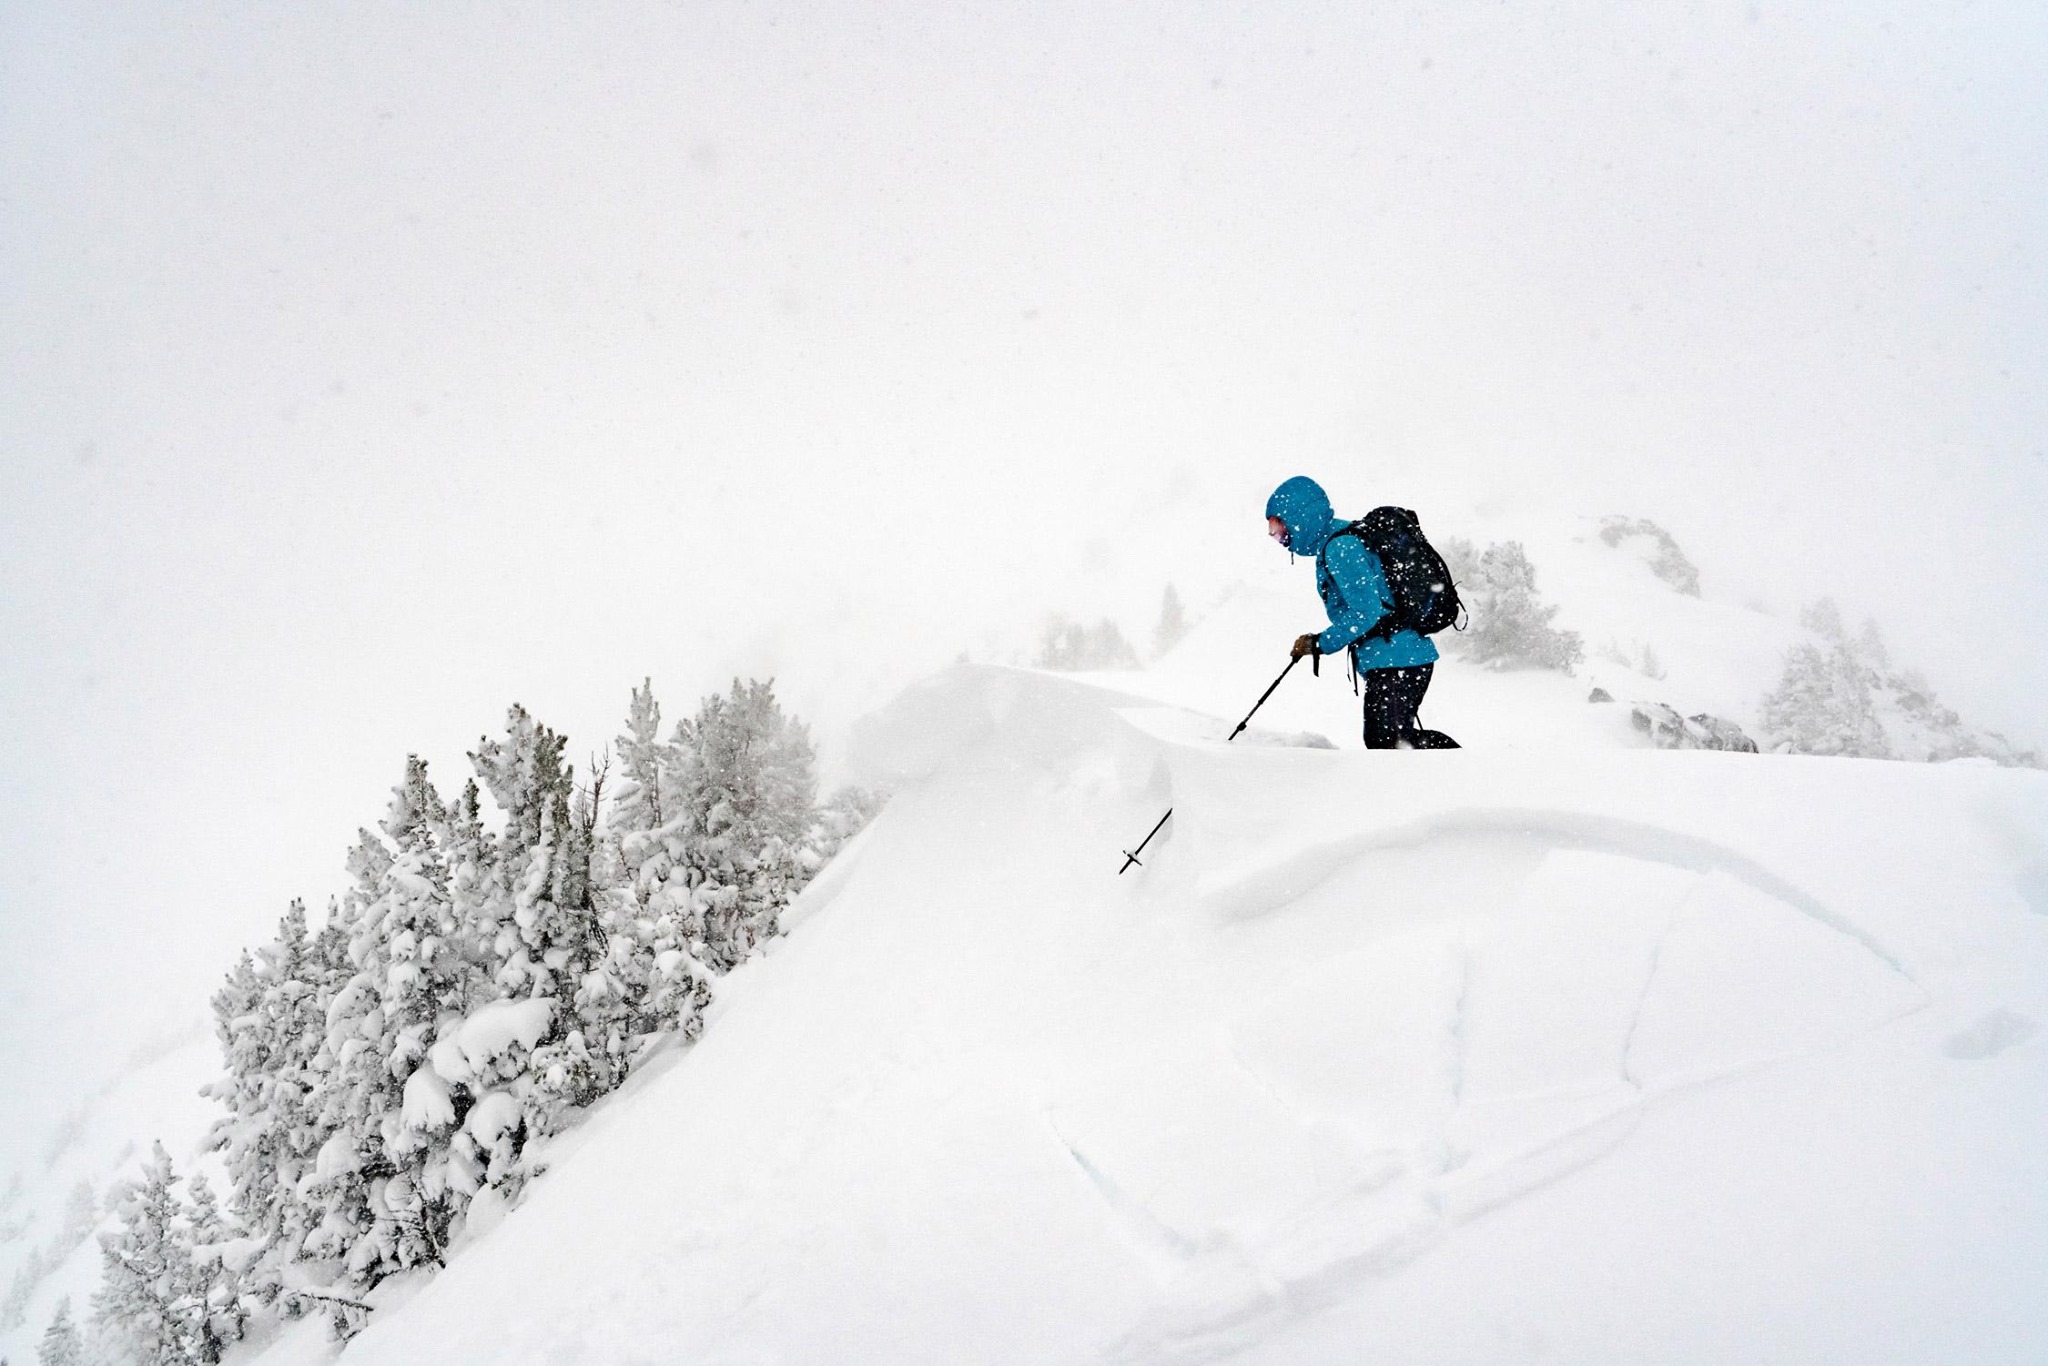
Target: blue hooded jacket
{"x":1349,"y":578}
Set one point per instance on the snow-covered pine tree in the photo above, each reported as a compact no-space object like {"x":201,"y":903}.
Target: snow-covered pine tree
{"x":301,"y":973}
{"x":216,"y":1270}
{"x":1824,"y":619}
{"x":392,"y":1179}
{"x":413,"y":936}
{"x":244,"y":1050}
{"x":648,"y":830}
{"x":1510,"y":624}
{"x":838,"y":820}
{"x":637,"y":804}
{"x":280,"y":1092}
{"x":748,"y":789}
{"x":550,"y":939}
{"x":613,"y":976}
{"x":149,"y":1305}
{"x":22,"y":1289}
{"x":10,"y":1200}
{"x":1854,"y":701}
{"x":1069,"y":646}
{"x":528,"y":781}
{"x":353,"y":1090}
{"x":250,"y":1049}
{"x":272,"y":1135}
{"x":81,"y":1216}
{"x":471,"y":857}
{"x":1822,"y":704}
{"x":61,"y":1345}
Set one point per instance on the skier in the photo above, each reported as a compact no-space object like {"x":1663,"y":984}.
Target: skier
{"x":1397,"y":666}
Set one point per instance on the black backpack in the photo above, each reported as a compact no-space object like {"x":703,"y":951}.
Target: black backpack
{"x":1425,"y":599}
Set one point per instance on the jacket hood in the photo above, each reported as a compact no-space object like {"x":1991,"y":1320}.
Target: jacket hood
{"x":1302,"y":504}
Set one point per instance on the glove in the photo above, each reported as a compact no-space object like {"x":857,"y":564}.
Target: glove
{"x":1305,"y":645}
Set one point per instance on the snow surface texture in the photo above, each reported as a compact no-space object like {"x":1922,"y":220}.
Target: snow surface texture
{"x":1468,"y":1056}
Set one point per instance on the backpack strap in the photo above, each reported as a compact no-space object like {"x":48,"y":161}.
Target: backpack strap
{"x":1384,"y":628}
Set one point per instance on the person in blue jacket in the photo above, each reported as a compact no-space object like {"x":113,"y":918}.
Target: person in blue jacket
{"x":1397,"y":667}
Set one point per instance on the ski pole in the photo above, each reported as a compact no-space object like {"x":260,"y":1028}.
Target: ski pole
{"x":1262,"y":700}
{"x":1131,"y":855}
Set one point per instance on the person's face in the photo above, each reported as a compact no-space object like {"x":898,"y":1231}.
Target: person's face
{"x":1277,"y":529}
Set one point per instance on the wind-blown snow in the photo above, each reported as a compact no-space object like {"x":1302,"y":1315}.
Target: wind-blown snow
{"x":1616,"y":1055}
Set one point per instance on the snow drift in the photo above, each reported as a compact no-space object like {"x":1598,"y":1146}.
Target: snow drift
{"x":1456,"y":1056}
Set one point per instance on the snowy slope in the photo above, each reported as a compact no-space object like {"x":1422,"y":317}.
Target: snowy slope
{"x":50,"y":1210}
{"x":1531,"y":869}
{"x":1580,"y":1053}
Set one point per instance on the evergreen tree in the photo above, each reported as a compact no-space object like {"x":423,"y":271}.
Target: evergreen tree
{"x":1822,"y":704}
{"x":526,"y":777}
{"x":1070,"y":647}
{"x":606,"y":974}
{"x":81,"y":1215}
{"x":272,"y":1136}
{"x":471,"y":859}
{"x":637,"y":807}
{"x":353,"y":1092}
{"x":747,"y":791}
{"x":61,"y":1345}
{"x":390,"y":1186}
{"x":1825,"y":700}
{"x":838,"y":820}
{"x":279,"y":1090}
{"x":216,"y":1276}
{"x":1824,"y":619}
{"x":414,"y":938}
{"x":1173,"y":624}
{"x":650,"y":831}
{"x":1510,"y":624}
{"x":22,"y":1289}
{"x":250,"y":1046}
{"x":148,"y":1300}
{"x":551,"y":939}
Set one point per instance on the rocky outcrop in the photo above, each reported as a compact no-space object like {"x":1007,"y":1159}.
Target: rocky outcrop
{"x":1667,"y":729}
{"x":1659,"y":551}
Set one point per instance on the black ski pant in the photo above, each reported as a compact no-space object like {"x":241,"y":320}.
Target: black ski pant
{"x":1392,"y":697}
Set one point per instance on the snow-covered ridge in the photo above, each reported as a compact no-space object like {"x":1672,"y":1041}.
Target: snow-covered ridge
{"x":1614,"y":601}
{"x":1401,"y":1049}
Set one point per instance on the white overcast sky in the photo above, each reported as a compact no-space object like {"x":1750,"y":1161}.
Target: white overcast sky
{"x":367,"y":367}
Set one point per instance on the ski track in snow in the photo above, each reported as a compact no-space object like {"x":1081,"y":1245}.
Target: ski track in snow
{"x":1459,"y":1043}
{"x":1204,"y":1320}
{"x":1145,"y":1230}
{"x":1246,"y":893}
{"x":1635,"y":1022}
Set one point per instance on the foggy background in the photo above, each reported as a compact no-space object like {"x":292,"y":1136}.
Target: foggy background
{"x":367,"y":368}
